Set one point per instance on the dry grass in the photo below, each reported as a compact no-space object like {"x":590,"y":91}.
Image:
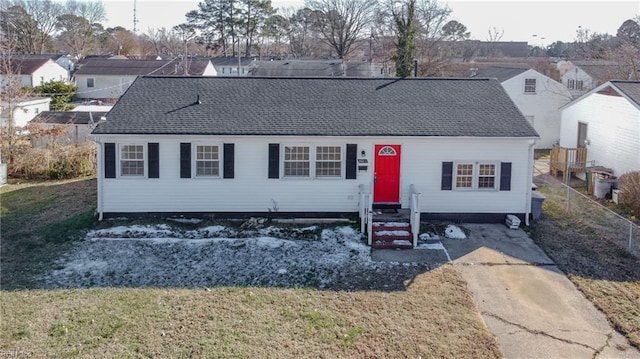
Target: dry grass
{"x":609,"y":276}
{"x":435,"y":316}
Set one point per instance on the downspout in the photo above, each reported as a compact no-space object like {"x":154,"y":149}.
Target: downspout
{"x":100,"y":168}
{"x":530,"y":183}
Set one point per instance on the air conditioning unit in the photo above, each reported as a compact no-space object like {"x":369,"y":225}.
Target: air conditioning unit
{"x":615,"y":196}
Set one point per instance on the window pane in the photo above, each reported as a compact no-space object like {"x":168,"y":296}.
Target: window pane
{"x":328,"y":161}
{"x":132,"y":160}
{"x":464,"y":175}
{"x":486,"y":176}
{"x":207,"y":161}
{"x":296,"y":161}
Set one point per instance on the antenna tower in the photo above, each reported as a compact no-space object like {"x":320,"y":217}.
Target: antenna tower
{"x":135,"y":19}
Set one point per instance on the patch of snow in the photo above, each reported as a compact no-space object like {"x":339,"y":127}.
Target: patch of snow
{"x":392,"y":233}
{"x":391,"y":224}
{"x":186,"y":220}
{"x":401,"y":242}
{"x":454,"y":232}
{"x":434,"y":246}
{"x":429,"y":237}
{"x":156,"y":255}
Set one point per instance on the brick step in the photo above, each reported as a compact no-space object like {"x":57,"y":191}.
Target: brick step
{"x":395,"y":235}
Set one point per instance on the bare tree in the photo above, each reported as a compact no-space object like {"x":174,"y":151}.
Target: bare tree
{"x":342,"y":22}
{"x":80,"y":27}
{"x":11,"y":94}
{"x":431,"y":16}
{"x":495,"y":34}
{"x":30,"y":23}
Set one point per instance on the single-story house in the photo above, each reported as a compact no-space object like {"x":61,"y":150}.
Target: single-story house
{"x":607,"y":122}
{"x":76,"y":125}
{"x":315,"y":68}
{"x":309,"y":146}
{"x":22,"y":110}
{"x":32,"y":72}
{"x":580,"y":77}
{"x":538,"y":97}
{"x":109,"y":78}
{"x":233,"y":66}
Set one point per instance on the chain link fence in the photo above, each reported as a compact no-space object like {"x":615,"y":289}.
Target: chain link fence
{"x":604,"y":222}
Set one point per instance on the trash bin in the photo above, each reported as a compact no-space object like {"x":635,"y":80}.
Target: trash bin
{"x":536,"y":204}
{"x":602,"y":187}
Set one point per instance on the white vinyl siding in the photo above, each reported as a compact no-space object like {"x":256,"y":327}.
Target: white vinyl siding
{"x":132,"y":160}
{"x":252,"y":191}
{"x":613,"y":131}
{"x":207,"y":161}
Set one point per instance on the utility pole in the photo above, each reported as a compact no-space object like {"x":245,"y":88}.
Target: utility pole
{"x":135,"y":19}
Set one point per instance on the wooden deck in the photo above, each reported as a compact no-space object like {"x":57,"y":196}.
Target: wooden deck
{"x":567,"y":161}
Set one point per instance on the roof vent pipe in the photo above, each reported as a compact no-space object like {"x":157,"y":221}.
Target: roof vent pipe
{"x":198,"y":100}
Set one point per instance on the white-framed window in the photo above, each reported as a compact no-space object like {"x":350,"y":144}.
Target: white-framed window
{"x":328,"y":161}
{"x":571,"y":84}
{"x":475,"y":176}
{"x":41,"y":80}
{"x":529,"y":85}
{"x":223,"y":70}
{"x":132,"y":158}
{"x":486,"y":176}
{"x":90,"y":82}
{"x":579,"y":85}
{"x":464,"y":176}
{"x":296,"y":161}
{"x":207,"y":160}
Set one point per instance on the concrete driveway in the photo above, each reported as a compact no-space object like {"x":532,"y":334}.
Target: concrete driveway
{"x":527,"y":302}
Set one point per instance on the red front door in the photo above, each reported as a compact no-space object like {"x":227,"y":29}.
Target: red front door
{"x":386,"y":173}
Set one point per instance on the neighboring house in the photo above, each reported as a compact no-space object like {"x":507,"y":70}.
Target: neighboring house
{"x":110,"y":78}
{"x":77,"y":126}
{"x":581,"y":77}
{"x":62,"y":60}
{"x":309,"y":146}
{"x":31,"y":72}
{"x":538,"y":97}
{"x":232,"y":66}
{"x":315,"y":68}
{"x":607,"y":122}
{"x":24,"y":110}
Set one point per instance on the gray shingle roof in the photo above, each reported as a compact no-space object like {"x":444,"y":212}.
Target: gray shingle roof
{"x":310,"y":68}
{"x":25,"y":66}
{"x":501,"y":73}
{"x":195,"y":67}
{"x":335,"y":106}
{"x":67,"y":117}
{"x":629,"y":88}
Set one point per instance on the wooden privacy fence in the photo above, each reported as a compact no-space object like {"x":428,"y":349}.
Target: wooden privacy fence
{"x":567,"y":161}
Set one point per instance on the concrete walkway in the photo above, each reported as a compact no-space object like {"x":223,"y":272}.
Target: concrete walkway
{"x":527,"y":302}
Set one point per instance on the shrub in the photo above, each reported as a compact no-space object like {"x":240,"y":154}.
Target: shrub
{"x":630,"y":186}
{"x":56,"y":162}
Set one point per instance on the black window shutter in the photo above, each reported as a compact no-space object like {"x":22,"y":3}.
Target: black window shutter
{"x":274,"y":160}
{"x":229,"y":154}
{"x":154,"y":159}
{"x":505,"y":176}
{"x":185,"y":160}
{"x":352,"y":165}
{"x":447,"y":176}
{"x":109,"y":160}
